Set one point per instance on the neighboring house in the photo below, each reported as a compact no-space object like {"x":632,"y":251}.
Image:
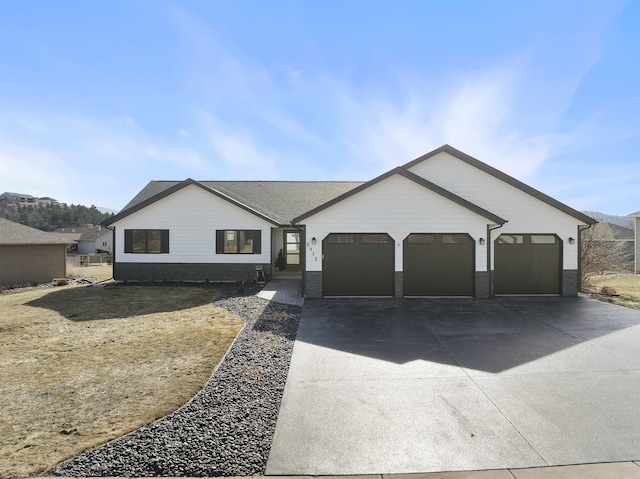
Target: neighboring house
{"x":28,"y":255}
{"x":20,"y":198}
{"x":444,"y":224}
{"x":636,"y":215}
{"x":47,"y":200}
{"x":89,"y":240}
{"x":72,"y":238}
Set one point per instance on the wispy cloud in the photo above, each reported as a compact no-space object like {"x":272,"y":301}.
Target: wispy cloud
{"x":491,"y":113}
{"x":35,"y":170}
{"x":475,"y":115}
{"x":238,"y":116}
{"x":216,"y":74}
{"x":63,"y":155}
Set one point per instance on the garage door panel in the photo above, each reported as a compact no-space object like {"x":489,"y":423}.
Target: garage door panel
{"x":437,"y":264}
{"x":358,"y":265}
{"x":528,"y":264}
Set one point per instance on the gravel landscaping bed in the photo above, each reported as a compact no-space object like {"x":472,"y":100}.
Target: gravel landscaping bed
{"x":227,"y":428}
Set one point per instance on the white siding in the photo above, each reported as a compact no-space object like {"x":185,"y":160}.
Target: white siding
{"x":105,"y":238}
{"x":192,"y":217}
{"x":399,"y":207}
{"x":525,"y":214}
{"x":87,"y":247}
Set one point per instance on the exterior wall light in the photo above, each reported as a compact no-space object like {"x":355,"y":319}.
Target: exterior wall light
{"x":481,"y":240}
{"x":313,"y":240}
{"x":572,"y":240}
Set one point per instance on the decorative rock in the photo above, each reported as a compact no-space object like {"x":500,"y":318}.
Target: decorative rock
{"x":227,"y":428}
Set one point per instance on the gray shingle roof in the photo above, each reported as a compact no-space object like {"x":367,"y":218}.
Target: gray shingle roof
{"x":12,"y":233}
{"x":89,"y":233}
{"x":280,"y":200}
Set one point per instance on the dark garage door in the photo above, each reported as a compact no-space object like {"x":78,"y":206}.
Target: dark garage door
{"x":357,"y":264}
{"x":528,"y":264}
{"x":438,"y":264}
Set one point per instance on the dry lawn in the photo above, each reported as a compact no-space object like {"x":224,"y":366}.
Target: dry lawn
{"x":628,"y":286}
{"x":81,"y":366}
{"x":100,"y":272}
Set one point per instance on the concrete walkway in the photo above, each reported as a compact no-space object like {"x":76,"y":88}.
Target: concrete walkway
{"x":416,"y":386}
{"x":287,"y":291}
{"x":616,"y":470}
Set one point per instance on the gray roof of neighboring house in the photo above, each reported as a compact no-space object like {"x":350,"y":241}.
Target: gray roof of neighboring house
{"x":12,"y":233}
{"x":91,"y":233}
{"x":279,"y":201}
{"x":636,"y":214}
{"x":17,"y":194}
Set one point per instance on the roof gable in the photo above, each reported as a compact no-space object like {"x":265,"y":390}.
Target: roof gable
{"x":416,"y":179}
{"x":503,"y":177}
{"x":175,"y":188}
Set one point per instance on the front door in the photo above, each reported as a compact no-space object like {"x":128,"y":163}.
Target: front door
{"x":292,"y":248}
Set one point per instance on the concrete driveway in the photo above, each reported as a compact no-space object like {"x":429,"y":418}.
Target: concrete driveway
{"x":424,"y":385}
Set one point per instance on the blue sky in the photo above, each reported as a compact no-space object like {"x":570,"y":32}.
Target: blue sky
{"x":97,"y":98}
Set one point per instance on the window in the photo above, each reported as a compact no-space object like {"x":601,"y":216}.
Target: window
{"x":238,"y":241}
{"x":455,"y":239}
{"x":335,"y":238}
{"x":511,"y":239}
{"x":375,"y":239}
{"x":421,"y":238}
{"x":146,"y":241}
{"x":543,"y":239}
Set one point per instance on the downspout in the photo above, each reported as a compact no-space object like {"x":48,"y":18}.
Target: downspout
{"x":489,"y":245}
{"x":580,"y":230}
{"x":113,"y":253}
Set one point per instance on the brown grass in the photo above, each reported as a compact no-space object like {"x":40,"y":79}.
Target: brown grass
{"x":628,"y":286}
{"x":81,"y":366}
{"x":100,"y":272}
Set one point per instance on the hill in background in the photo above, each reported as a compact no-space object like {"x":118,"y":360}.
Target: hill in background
{"x":623,"y":221}
{"x":52,"y":216}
